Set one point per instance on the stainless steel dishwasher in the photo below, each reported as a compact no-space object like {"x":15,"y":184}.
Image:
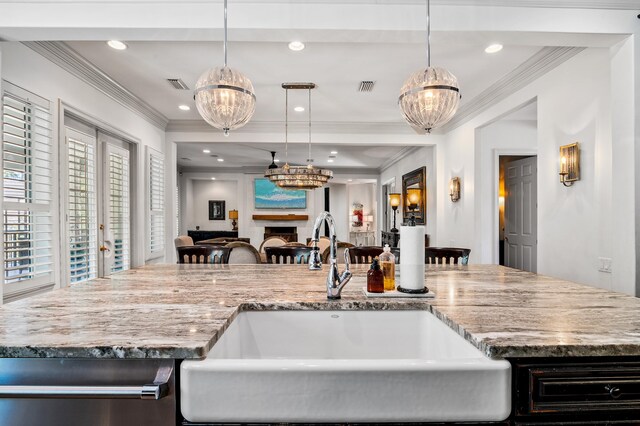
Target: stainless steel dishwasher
{"x":85,"y":392}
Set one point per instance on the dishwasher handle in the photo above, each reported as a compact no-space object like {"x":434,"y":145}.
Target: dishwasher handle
{"x":157,"y":390}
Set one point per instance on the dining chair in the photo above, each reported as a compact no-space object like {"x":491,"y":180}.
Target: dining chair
{"x":288,"y":255}
{"x":323,"y":243}
{"x":204,"y":254}
{"x":272,"y":242}
{"x":294,"y":244}
{"x":446,"y":255}
{"x":364,"y":254}
{"x":341,"y":246}
{"x":182,"y":241}
{"x":243,"y":253}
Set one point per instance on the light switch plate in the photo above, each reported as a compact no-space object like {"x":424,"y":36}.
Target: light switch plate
{"x":604,"y":264}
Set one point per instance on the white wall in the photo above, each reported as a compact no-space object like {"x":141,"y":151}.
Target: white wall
{"x":504,"y":137}
{"x":424,"y":156}
{"x":205,"y":190}
{"x":365,"y":194}
{"x":196,"y":188}
{"x":576,"y":225}
{"x":27,"y":69}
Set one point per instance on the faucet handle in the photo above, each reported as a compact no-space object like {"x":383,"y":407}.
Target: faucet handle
{"x":315,"y":262}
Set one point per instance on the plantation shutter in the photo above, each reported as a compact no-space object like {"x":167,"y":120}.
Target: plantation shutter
{"x":118,"y":205}
{"x":156,"y":204}
{"x":83,"y":260}
{"x":27,"y":185}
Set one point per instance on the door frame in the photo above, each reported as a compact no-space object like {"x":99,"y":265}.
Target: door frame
{"x":135,"y":203}
{"x":495,"y":234}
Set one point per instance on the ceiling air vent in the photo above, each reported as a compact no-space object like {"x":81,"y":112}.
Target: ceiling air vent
{"x":366,"y":86}
{"x":177,"y":83}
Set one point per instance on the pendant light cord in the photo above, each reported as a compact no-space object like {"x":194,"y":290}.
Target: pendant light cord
{"x":428,"y":34}
{"x":225,"y":33}
{"x":286,"y":126}
{"x":309,"y":160}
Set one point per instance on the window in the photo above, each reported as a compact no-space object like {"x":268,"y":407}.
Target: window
{"x":27,"y":186}
{"x":83,"y":260}
{"x":155,"y":161}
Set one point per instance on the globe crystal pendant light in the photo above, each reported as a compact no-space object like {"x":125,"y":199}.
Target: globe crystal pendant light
{"x":224,"y":96}
{"x":297,"y":177}
{"x":429,"y":97}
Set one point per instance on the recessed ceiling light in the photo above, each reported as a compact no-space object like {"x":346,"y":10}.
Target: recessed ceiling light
{"x":299,"y":109}
{"x":117,"y":44}
{"x":206,"y":151}
{"x":184,"y":107}
{"x":334,"y":152}
{"x":221,"y":159}
{"x":277,"y":160}
{"x":213,"y":178}
{"x":296,"y":46}
{"x":330,"y":160}
{"x":349,"y":180}
{"x":494,"y":48}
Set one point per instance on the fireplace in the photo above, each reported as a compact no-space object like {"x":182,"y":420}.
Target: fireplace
{"x":289,"y":233}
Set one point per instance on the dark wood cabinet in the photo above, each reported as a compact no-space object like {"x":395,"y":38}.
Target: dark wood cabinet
{"x":583,"y":390}
{"x":207,"y":235}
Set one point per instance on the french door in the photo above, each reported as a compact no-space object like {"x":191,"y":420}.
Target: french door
{"x":114,"y":230}
{"x":98,"y":205}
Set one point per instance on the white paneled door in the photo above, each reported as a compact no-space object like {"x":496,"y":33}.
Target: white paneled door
{"x":521,"y":213}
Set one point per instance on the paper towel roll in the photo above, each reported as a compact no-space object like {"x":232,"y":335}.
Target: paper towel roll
{"x":412,"y":257}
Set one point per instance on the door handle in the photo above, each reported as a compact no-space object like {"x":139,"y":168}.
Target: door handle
{"x":104,"y":248}
{"x":157,"y":390}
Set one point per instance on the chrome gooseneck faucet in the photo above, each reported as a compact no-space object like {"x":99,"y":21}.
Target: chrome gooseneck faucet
{"x":335,"y":281}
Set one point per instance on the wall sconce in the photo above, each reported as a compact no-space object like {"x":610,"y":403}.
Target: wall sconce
{"x":569,"y":164}
{"x":454,"y":189}
{"x":394,"y":201}
{"x":413,"y":200}
{"x":233,"y":215}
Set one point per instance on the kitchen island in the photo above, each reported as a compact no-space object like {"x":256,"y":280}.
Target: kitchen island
{"x":178,"y":312}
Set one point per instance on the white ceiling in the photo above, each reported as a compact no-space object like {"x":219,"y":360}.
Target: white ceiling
{"x":337,"y":69}
{"x":346,"y":42}
{"x":258,"y":155}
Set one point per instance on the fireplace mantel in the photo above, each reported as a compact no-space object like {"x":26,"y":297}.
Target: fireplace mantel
{"x":280,"y":217}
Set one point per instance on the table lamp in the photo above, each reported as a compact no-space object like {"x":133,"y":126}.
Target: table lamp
{"x":394,"y":201}
{"x":233,"y":215}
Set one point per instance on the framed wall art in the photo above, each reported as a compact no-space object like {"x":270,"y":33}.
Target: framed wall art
{"x":216,"y":210}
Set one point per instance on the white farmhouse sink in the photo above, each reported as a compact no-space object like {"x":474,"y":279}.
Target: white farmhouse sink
{"x":343,"y":366}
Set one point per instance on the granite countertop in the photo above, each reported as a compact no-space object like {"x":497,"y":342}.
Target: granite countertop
{"x":179,"y":311}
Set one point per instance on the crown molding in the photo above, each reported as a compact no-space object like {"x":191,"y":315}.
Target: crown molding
{"x":406,"y":152}
{"x":257,"y":170}
{"x":555,"y":4}
{"x":533,"y":68}
{"x":340,"y":127}
{"x":71,"y":61}
{"x":570,"y":4}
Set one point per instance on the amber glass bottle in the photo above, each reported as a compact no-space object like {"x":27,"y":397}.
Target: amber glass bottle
{"x":388,"y":264}
{"x":375,"y":278}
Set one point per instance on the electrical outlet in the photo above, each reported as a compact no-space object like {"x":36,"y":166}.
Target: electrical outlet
{"x":604,"y":264}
